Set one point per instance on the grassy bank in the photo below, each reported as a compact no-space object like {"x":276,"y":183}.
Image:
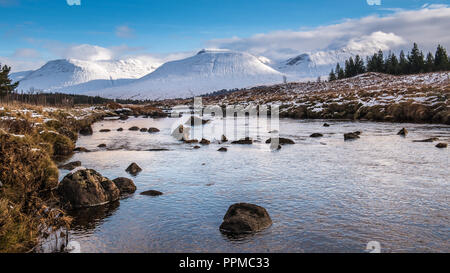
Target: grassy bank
{"x":32,"y":139}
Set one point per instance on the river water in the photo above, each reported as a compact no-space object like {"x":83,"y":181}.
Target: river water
{"x":323,"y":195}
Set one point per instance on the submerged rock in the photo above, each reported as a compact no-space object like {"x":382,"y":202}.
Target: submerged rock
{"x":101,"y":145}
{"x":70,"y":166}
{"x":316,"y":135}
{"x":105,"y":130}
{"x":223,"y":149}
{"x":244,"y":141}
{"x":196,"y":147}
{"x":133,"y":169}
{"x":427,"y":140}
{"x":245,"y":218}
{"x":326,"y":125}
{"x":152,"y":193}
{"x":120,"y":130}
{"x":143,"y":130}
{"x":282,"y":141}
{"x":351,"y":136}
{"x":190,"y":141}
{"x":81,"y":149}
{"x":134,"y":128}
{"x":153,"y":130}
{"x":403,"y":132}
{"x":87,"y":188}
{"x":123,"y":117}
{"x":86,"y":131}
{"x":441,"y":145}
{"x":125,"y":185}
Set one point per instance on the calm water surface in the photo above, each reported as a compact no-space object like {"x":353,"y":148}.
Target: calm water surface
{"x":324,"y":195}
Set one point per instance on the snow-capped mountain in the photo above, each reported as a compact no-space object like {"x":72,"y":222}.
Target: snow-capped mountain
{"x":75,"y":76}
{"x":315,"y":64}
{"x":209,"y":70}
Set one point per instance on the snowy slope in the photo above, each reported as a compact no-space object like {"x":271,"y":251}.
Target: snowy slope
{"x":208,"y":71}
{"x":75,"y":76}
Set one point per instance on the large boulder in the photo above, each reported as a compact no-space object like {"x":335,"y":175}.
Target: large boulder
{"x":245,"y":218}
{"x":87,"y":188}
{"x":133,"y":169}
{"x":125,"y":185}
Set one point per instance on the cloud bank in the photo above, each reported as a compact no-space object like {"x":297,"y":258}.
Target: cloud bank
{"x":427,"y":26}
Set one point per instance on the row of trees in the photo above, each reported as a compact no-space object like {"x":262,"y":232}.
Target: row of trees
{"x":414,"y":62}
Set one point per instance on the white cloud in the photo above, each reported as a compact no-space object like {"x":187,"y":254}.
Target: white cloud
{"x":427,"y":26}
{"x":88,"y":53}
{"x":73,"y":2}
{"x":26,"y":53}
{"x":375,"y":41}
{"x":124,"y":32}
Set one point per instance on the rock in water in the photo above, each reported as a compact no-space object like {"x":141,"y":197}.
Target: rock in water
{"x":245,"y":218}
{"x":86,"y":131}
{"x":134,"y":128}
{"x":81,"y":149}
{"x":351,"y":136}
{"x":144,"y":130}
{"x":120,"y":130}
{"x":125,"y":185}
{"x":133,"y":169}
{"x":244,"y":141}
{"x":316,"y":135}
{"x":205,"y":142}
{"x":403,"y":132}
{"x":101,"y":145}
{"x":197,"y":147}
{"x":427,"y":140}
{"x":87,"y":188}
{"x":224,"y":139}
{"x":153,"y":130}
{"x":282,"y":141}
{"x":152,"y":193}
{"x":105,"y":130}
{"x":442,"y":145}
{"x":223,"y":149}
{"x":326,"y":125}
{"x":70,"y":166}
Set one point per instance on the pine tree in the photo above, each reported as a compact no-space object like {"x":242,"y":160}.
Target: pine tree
{"x":429,"y":63}
{"x":6,"y":86}
{"x":359,"y":65}
{"x":392,"y":65}
{"x":416,"y":62}
{"x":340,"y":72}
{"x":441,"y":60}
{"x":332,"y":76}
{"x":403,"y":64}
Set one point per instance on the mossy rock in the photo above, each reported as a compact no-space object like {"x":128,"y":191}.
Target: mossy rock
{"x":62,"y":145}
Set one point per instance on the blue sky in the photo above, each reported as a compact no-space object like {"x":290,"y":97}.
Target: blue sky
{"x":40,"y":30}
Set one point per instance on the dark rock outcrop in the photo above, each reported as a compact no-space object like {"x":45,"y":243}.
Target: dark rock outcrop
{"x":224,"y":139}
{"x":205,"y":142}
{"x":144,"y":130}
{"x":125,"y":185}
{"x":134,"y":128}
{"x":223,"y":149}
{"x":70,"y":166}
{"x":133,"y":169}
{"x":152,"y":193}
{"x":197,"y":147}
{"x":245,"y":218}
{"x":316,"y":135}
{"x":326,"y":125}
{"x":87,"y":188}
{"x":153,"y":130}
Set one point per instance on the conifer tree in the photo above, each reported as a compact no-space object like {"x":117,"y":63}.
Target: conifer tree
{"x":6,"y":85}
{"x":441,"y":61}
{"x":332,"y":76}
{"x":429,"y":63}
{"x":416,"y":61}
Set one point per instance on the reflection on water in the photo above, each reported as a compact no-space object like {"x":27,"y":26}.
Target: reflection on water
{"x":323,"y":195}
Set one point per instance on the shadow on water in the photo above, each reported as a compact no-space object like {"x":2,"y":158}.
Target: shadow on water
{"x":89,"y":218}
